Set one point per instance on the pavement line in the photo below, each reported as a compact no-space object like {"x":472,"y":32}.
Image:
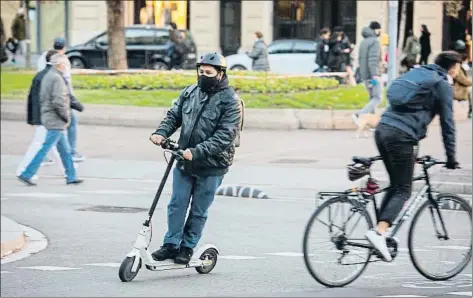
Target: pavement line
{"x":41,"y":195}
{"x":113,"y":192}
{"x":286,"y":254}
{"x":115,"y":265}
{"x":403,"y":296}
{"x":4,"y":199}
{"x":2,"y":272}
{"x":239,"y":257}
{"x":50,"y":268}
{"x":460,"y":293}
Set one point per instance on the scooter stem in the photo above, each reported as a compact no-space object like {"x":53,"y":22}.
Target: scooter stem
{"x":160,"y":190}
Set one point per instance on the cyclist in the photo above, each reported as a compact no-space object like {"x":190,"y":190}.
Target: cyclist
{"x":415,"y":98}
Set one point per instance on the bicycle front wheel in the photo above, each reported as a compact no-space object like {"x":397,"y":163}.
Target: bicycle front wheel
{"x":335,"y":235}
{"x":441,"y":251}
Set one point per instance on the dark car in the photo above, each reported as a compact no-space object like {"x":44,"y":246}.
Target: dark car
{"x":146,"y":47}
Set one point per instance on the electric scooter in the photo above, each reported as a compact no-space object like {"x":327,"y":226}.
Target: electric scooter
{"x":139,"y":254}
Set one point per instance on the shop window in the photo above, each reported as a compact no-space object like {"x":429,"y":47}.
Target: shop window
{"x":230,"y":26}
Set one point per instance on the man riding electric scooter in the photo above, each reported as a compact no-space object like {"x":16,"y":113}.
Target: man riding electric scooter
{"x":209,"y":116}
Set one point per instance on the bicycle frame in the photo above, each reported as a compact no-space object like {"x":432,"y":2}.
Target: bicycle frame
{"x":410,"y":207}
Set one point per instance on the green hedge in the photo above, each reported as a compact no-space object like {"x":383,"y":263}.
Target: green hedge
{"x":176,"y":81}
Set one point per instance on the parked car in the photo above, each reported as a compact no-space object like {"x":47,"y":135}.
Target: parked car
{"x":146,"y":47}
{"x":286,"y":56}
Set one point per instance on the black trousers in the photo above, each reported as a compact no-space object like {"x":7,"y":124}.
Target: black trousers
{"x":423,"y":59}
{"x":399,"y":152}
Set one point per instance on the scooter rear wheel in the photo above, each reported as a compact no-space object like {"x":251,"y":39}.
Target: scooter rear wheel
{"x":210,"y":254}
{"x":125,"y":272}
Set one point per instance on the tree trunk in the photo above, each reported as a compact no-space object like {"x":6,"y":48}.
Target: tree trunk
{"x":116,"y":35}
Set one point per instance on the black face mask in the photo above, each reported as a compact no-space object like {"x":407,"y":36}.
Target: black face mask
{"x":207,"y":83}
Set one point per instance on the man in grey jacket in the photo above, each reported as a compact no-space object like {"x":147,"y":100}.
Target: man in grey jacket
{"x":55,"y":116}
{"x":369,"y":61}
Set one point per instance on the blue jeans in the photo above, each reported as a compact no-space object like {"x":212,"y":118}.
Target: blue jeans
{"x":202,"y":190}
{"x":374,"y":92}
{"x":58,"y":138}
{"x":72,"y":133}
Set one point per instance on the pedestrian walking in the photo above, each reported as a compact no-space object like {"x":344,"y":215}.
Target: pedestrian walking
{"x":424,"y":45}
{"x":411,"y":50}
{"x":55,"y":116}
{"x":259,"y":54}
{"x":60,"y":46}
{"x":462,"y":83}
{"x":18,"y":30}
{"x":369,"y":61}
{"x":322,"y":51}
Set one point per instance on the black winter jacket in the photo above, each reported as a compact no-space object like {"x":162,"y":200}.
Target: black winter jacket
{"x":33,"y":106}
{"x":211,"y":139}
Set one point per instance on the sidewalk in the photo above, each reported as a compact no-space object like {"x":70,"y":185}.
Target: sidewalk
{"x":265,"y":119}
{"x":13,"y":237}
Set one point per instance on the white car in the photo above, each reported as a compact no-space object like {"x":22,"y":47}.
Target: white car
{"x":286,"y":56}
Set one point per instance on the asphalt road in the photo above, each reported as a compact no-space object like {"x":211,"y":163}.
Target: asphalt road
{"x":260,"y":240}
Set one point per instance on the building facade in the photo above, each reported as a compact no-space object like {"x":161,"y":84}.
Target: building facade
{"x":225,"y":26}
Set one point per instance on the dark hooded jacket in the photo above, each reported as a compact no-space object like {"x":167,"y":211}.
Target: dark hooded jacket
{"x":415,"y":98}
{"x":211,"y":138}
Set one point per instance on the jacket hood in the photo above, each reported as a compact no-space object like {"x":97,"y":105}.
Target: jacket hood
{"x":367,"y":32}
{"x":436,"y":68}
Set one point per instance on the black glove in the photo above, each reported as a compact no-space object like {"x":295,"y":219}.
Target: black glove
{"x":451,"y":164}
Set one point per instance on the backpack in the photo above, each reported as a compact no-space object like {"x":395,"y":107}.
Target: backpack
{"x":416,"y":48}
{"x":188,"y":91}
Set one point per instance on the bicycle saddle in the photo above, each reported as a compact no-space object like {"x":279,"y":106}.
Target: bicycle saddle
{"x":362,"y":160}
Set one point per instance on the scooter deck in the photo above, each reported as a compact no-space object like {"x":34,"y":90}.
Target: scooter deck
{"x":170,"y":265}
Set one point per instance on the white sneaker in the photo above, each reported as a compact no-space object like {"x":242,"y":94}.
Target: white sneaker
{"x":379,"y":243}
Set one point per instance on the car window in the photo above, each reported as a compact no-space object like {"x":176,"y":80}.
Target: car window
{"x":280,"y":47}
{"x":162,"y":37}
{"x":102,"y":40}
{"x":138,"y":37}
{"x":304,"y":48}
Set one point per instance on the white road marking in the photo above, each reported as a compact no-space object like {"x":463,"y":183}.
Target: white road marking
{"x":239,"y":257}
{"x":113,"y":192}
{"x":42,"y":195}
{"x":286,"y":254}
{"x":50,"y":268}
{"x":2,"y":272}
{"x":451,"y":247}
{"x":460,"y":293}
{"x":4,"y":199}
{"x":115,"y":265}
{"x":403,"y":296}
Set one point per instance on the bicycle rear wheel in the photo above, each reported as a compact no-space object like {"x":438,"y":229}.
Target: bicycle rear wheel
{"x":455,"y":213}
{"x":337,"y":241}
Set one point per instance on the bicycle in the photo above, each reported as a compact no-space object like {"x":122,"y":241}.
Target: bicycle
{"x":358,"y":200}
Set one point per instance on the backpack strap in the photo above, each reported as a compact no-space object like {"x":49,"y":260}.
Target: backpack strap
{"x":188,"y":90}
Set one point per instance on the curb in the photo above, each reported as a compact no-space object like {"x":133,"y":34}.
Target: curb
{"x":16,"y":237}
{"x":240,"y":192}
{"x":264,"y":119}
{"x":448,"y":187}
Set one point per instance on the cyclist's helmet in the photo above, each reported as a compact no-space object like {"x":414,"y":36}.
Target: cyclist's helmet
{"x":213,"y":59}
{"x":357,"y":171}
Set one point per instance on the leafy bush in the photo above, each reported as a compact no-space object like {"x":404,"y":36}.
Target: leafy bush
{"x":177,"y":81}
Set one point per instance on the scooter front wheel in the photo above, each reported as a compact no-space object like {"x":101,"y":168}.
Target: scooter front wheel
{"x":125,"y":272}
{"x":209,"y":258}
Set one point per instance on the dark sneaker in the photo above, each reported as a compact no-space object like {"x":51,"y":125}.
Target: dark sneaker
{"x":167,"y":251}
{"x":184,"y":256}
{"x":28,"y":182}
{"x":77,"y":181}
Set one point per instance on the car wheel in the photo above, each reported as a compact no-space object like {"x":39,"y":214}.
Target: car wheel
{"x":158,"y":65}
{"x":77,"y":63}
{"x":238,"y":68}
